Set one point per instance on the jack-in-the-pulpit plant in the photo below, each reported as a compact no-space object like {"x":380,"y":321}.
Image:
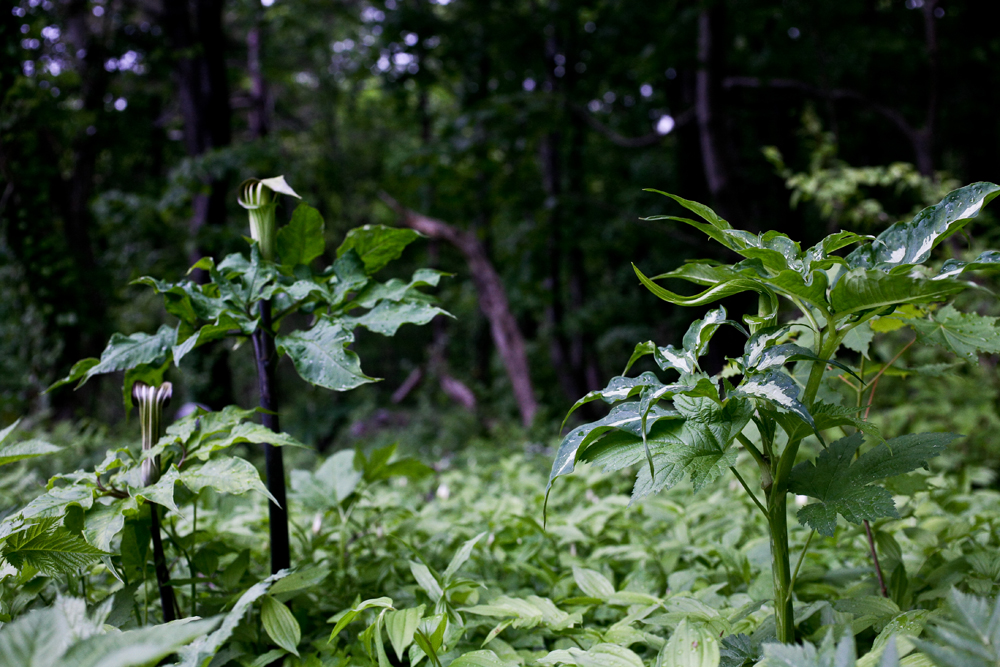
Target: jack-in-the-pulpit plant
{"x":252,"y":298}
{"x":692,"y":424}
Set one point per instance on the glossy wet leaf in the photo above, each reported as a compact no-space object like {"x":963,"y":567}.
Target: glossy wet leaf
{"x":321,"y":357}
{"x":911,"y":242}
{"x":778,"y":389}
{"x":860,"y":290}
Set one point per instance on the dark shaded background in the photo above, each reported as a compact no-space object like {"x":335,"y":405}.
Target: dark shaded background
{"x":125,"y":127}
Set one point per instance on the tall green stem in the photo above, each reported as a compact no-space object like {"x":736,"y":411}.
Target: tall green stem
{"x":777,"y":519}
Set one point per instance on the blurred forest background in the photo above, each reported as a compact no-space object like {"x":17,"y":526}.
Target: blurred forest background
{"x":528,"y":127}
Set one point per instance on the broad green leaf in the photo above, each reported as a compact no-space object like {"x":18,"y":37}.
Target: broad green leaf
{"x":397,"y":290}
{"x":528,"y":612}
{"x":426,"y":580}
{"x":990,"y":259}
{"x":700,"y":272}
{"x":302,"y":239}
{"x":483,"y":658}
{"x":280,"y":625}
{"x":778,"y":389}
{"x":77,"y":373}
{"x":103,"y":522}
{"x":137,"y":648}
{"x":964,"y":334}
{"x":388,"y":316}
{"x":49,"y":548}
{"x":187,"y":300}
{"x":737,"y":651}
{"x":712,"y":294}
{"x":907,"y":243}
{"x":162,"y":492}
{"x":599,"y":655}
{"x":691,"y":645}
{"x":618,"y":389}
{"x":667,"y":358}
{"x":400,"y":626}
{"x":55,"y":501}
{"x":37,"y":639}
{"x":862,"y":289}
{"x":593,"y":583}
{"x":226,"y":475}
{"x":700,"y":210}
{"x":321,"y":356}
{"x":26,"y":449}
{"x":202,"y":649}
{"x":625,"y":417}
{"x":225,"y":325}
{"x":377,"y":245}
{"x":844,"y":486}
{"x":124,"y":352}
{"x":462,"y":555}
{"x":349,"y":615}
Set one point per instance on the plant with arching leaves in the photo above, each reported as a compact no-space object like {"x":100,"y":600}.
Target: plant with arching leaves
{"x":252,"y":298}
{"x":689,"y":427}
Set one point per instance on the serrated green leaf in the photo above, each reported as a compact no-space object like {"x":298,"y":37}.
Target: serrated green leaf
{"x":280,"y":625}
{"x":830,"y":654}
{"x":964,"y":334}
{"x":321,"y":356}
{"x":226,"y":475}
{"x":49,"y":548}
{"x":377,"y":245}
{"x":845,"y":487}
{"x":302,"y":240}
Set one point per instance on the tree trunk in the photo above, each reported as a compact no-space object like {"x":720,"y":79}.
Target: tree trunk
{"x":710,"y":131}
{"x":492,"y":300}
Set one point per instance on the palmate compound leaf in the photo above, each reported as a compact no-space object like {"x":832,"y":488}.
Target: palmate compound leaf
{"x":846,"y":487}
{"x":911,"y":242}
{"x":696,"y":441}
{"x":321,"y":357}
{"x":964,"y":334}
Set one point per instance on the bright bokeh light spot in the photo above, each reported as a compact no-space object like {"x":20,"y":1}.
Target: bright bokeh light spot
{"x":121,"y":104}
{"x":529,"y":84}
{"x":794,"y":33}
{"x":665,"y":125}
{"x":646,"y":90}
{"x":267,"y":3}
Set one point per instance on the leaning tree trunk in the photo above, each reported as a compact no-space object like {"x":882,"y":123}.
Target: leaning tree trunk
{"x":492,"y":300}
